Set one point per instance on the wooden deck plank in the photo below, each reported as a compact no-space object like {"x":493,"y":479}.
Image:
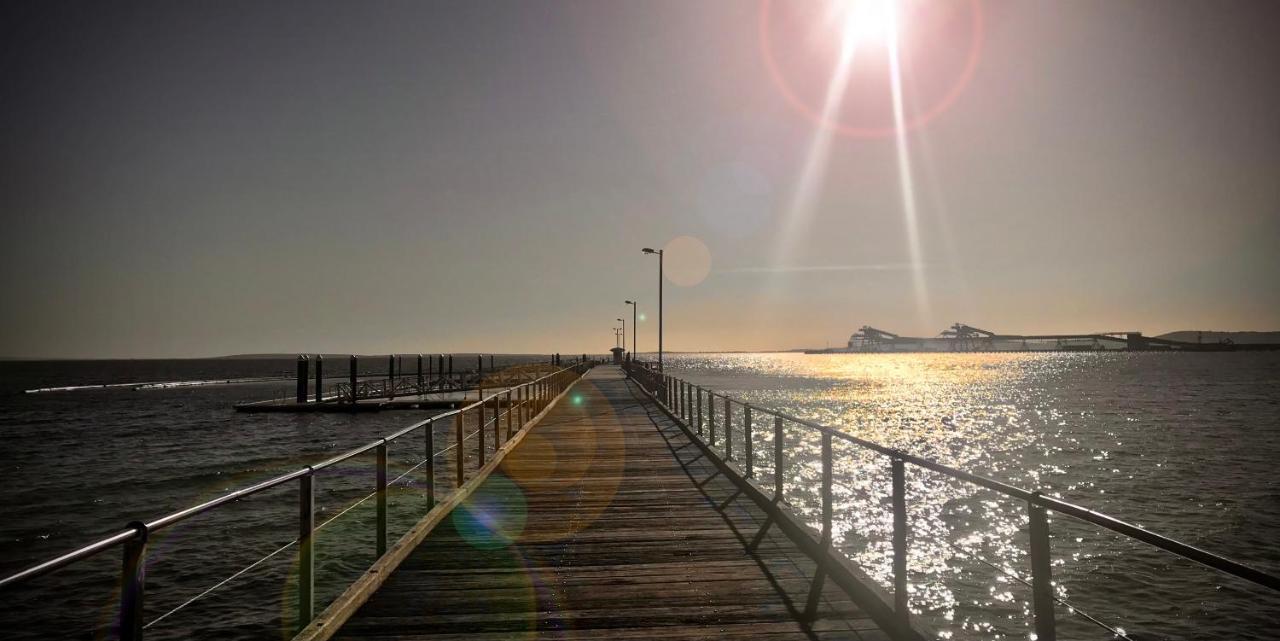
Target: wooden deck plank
{"x":604,"y":523}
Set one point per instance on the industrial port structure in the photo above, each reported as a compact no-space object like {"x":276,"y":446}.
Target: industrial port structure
{"x":965,"y":338}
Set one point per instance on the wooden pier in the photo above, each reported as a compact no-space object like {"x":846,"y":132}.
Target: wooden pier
{"x":605,"y":521}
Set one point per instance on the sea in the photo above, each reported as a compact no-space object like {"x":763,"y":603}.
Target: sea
{"x":1183,"y":444}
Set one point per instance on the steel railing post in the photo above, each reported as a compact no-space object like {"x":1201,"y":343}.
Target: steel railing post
{"x":680,"y":402}
{"x":480,"y":433}
{"x":728,"y":430}
{"x":777,"y":459}
{"x":820,"y":575}
{"x":133,"y":583}
{"x":711,"y":416}
{"x":319,"y":378}
{"x":826,"y":488}
{"x":382,"y":499}
{"x":431,"y":463}
{"x":461,"y":472}
{"x":511,"y":408}
{"x":900,"y":603}
{"x":699,"y":409}
{"x":688,"y":403}
{"x":1041,"y":579}
{"x":746,"y":441}
{"x":306,"y":549}
{"x":497,"y":425}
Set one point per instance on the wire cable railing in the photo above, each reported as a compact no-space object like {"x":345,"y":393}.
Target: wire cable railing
{"x":251,"y":566}
{"x":684,"y":401}
{"x":523,"y":403}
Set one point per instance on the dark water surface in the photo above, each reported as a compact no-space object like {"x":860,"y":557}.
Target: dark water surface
{"x":80,"y":465}
{"x":1184,"y":444}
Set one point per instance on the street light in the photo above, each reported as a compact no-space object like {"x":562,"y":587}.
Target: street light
{"x":635,"y":346}
{"x":649,"y":250}
{"x":624,"y":333}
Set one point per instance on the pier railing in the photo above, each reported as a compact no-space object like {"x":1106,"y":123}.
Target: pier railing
{"x":505,"y":412}
{"x":695,"y":406}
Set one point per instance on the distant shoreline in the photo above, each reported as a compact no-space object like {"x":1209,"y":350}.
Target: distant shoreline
{"x":1187,"y":335}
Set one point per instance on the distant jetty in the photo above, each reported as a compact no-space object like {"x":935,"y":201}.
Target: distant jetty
{"x":965,"y":338}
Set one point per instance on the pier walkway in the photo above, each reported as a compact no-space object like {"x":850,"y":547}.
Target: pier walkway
{"x":605,"y":522}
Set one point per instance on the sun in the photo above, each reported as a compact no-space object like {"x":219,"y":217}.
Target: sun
{"x":867,"y":22}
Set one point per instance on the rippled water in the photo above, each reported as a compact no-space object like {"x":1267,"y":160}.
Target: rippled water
{"x":76,"y":466}
{"x":1182,"y":444}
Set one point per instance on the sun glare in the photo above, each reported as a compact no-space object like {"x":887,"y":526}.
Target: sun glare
{"x":867,"y":22}
{"x":863,"y":25}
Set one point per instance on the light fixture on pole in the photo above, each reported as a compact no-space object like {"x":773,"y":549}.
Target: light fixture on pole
{"x":635,"y":346}
{"x":658,"y":252}
{"x":624,"y":333}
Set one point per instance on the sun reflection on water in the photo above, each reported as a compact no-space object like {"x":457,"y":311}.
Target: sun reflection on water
{"x":1072,"y":425}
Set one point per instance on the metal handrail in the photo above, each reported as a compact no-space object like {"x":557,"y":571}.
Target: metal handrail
{"x":537,"y":392}
{"x":678,"y":396}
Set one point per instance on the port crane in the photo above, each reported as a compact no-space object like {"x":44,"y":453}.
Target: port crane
{"x":870,"y":339}
{"x":969,"y":339}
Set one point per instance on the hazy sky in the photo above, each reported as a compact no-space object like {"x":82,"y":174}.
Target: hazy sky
{"x":185,"y":179}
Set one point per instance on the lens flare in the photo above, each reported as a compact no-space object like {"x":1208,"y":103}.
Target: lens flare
{"x":949,"y":43}
{"x":494,"y":516}
{"x":906,"y":183}
{"x":814,"y":171}
{"x":870,"y":30}
{"x":688,"y":261}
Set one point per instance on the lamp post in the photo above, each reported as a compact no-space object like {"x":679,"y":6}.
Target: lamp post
{"x":635,"y":346}
{"x":624,"y":333}
{"x":649,"y":250}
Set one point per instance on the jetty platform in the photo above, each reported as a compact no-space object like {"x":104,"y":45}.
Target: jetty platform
{"x":428,"y":383}
{"x":435,"y":400}
{"x":605,"y":521}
